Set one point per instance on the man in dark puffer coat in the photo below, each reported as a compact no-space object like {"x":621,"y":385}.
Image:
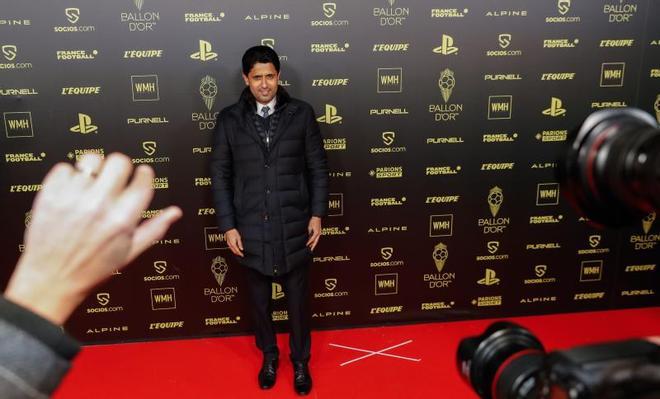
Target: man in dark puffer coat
{"x":270,"y":185}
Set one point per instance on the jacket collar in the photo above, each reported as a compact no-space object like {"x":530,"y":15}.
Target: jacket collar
{"x":247,"y":105}
{"x":248,"y":102}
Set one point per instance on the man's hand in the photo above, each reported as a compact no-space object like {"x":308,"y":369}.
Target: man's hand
{"x":233,"y":238}
{"x":314,"y":231}
{"x":85,"y":225}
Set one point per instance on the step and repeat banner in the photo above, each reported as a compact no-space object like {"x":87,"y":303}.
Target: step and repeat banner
{"x":442,"y":121}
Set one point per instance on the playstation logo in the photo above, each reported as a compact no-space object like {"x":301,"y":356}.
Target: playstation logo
{"x":84,"y":125}
{"x":330,"y":116}
{"x":277,"y":292}
{"x":205,"y":52}
{"x":447,"y":47}
{"x":490,"y":278}
{"x":555,"y":108}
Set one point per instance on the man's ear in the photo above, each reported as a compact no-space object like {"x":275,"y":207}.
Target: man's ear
{"x":245,"y":79}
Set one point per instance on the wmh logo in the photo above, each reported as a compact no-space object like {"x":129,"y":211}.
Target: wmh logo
{"x":547,"y":194}
{"x":145,"y":87}
{"x":214,"y":239}
{"x":500,"y":107}
{"x":336,"y":204}
{"x":390,"y":80}
{"x":163,"y":298}
{"x":441,"y":225}
{"x":612,"y":73}
{"x":386,"y":284}
{"x":591,"y":270}
{"x":18,"y":124}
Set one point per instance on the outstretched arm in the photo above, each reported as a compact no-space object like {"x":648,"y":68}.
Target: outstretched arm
{"x":85,"y":225}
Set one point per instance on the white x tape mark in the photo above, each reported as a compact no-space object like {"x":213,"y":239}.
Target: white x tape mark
{"x":373,"y":353}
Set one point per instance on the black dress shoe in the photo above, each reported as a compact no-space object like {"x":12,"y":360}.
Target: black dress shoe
{"x":268,"y":372}
{"x":302,"y":380}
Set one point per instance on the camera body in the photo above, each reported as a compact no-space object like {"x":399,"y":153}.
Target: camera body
{"x":507,"y":361}
{"x":609,"y":168}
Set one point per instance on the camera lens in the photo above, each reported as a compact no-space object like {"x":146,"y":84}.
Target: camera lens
{"x":503,"y":362}
{"x":611,"y":170}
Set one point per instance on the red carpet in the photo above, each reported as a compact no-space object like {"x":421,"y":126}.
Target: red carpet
{"x":227,"y":367}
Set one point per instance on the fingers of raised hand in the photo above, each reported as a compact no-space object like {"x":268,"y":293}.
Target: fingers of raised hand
{"x":88,"y":167}
{"x":113,"y":176}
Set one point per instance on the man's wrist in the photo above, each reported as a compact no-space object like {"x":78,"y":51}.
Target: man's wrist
{"x":54,"y":301}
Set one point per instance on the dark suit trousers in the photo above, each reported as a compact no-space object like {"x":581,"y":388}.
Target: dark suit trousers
{"x":295,"y":290}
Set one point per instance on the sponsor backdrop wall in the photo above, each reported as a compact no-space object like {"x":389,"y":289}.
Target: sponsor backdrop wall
{"x":441,"y":120}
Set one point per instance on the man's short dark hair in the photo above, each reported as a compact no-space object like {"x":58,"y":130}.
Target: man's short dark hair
{"x":261,"y":54}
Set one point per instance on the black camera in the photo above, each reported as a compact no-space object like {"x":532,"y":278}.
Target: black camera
{"x":507,"y":361}
{"x":610,"y":171}
{"x":610,"y":166}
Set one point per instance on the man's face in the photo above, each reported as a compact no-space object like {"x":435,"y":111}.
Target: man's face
{"x":262,"y":80}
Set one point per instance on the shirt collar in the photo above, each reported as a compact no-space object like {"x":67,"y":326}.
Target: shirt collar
{"x":271,"y":106}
